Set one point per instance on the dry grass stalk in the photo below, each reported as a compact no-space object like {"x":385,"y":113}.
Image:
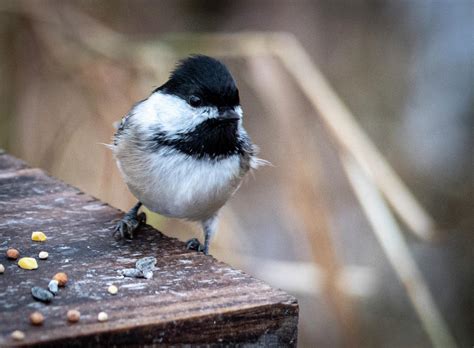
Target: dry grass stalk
{"x":350,"y":136}
{"x":395,"y":247}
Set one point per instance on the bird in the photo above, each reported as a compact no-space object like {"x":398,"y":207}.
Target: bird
{"x":183,"y":151}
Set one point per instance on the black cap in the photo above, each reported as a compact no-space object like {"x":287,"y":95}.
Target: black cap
{"x":202,"y":77}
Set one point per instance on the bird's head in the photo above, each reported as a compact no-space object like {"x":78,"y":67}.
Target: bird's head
{"x":200,"y":90}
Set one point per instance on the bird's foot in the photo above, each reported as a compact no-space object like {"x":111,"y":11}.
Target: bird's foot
{"x":128,"y":225}
{"x":195,"y":244}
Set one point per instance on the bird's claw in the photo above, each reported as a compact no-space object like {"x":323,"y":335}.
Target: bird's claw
{"x":194,"y":244}
{"x":128,"y":224}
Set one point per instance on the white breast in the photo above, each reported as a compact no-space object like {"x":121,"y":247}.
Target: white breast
{"x":173,"y":184}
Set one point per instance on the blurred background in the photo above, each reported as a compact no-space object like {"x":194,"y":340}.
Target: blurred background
{"x":70,"y":69}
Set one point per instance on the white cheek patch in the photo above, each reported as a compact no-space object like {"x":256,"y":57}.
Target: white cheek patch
{"x":238,"y":110}
{"x":170,"y":113}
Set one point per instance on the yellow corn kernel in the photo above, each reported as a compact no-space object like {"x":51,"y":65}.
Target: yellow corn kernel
{"x":28,"y":263}
{"x":38,"y":236}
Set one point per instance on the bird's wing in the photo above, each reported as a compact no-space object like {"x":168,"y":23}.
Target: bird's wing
{"x":122,"y":125}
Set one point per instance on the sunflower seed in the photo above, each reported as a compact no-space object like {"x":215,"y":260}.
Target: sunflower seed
{"x":146,"y":264}
{"x":131,"y":272}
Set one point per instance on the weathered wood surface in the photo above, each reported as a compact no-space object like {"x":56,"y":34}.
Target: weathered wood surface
{"x":192,"y":298}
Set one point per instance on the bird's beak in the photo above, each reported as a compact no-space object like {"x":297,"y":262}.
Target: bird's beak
{"x":228,"y":114}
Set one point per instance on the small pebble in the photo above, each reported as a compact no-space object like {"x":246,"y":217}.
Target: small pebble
{"x":38,"y":236}
{"x":13,"y":254}
{"x":41,"y":294}
{"x":61,"y":277}
{"x":18,"y":335}
{"x":102,"y":317}
{"x":148,"y":274}
{"x":131,"y":272}
{"x":112,"y":289}
{"x":146,"y":264}
{"x":2,"y":268}
{"x":53,"y":286}
{"x":36,"y":318}
{"x":43,"y":255}
{"x":28,"y":263}
{"x":73,"y":315}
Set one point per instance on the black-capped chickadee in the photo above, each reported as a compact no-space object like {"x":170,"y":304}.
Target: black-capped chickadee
{"x":183,"y":151}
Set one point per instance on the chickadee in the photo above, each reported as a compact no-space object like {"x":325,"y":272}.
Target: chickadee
{"x":183,"y":150}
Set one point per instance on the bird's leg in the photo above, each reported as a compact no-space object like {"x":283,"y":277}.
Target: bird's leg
{"x":129,"y":223}
{"x":209,"y":227}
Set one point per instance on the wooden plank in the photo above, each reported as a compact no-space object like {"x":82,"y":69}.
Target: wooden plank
{"x":192,"y":298}
{"x":10,"y":163}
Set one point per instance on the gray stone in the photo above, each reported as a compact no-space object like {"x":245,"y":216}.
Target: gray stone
{"x":53,"y":286}
{"x":147,"y":274}
{"x":41,"y":294}
{"x":131,"y":272}
{"x":146,"y":264}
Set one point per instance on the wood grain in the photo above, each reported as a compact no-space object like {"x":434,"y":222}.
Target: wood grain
{"x":192,"y":298}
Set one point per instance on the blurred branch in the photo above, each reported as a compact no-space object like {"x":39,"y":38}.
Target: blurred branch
{"x":391,"y":239}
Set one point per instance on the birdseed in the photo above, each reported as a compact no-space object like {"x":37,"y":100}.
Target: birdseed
{"x":102,"y":317}
{"x":18,"y":335}
{"x":28,"y":263}
{"x":36,"y":318}
{"x":73,"y":315}
{"x":38,"y":236}
{"x":112,"y":289}
{"x":13,"y":254}
{"x":61,"y":277}
{"x":43,"y":255}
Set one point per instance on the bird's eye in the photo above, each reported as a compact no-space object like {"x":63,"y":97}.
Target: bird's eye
{"x":195,"y":101}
